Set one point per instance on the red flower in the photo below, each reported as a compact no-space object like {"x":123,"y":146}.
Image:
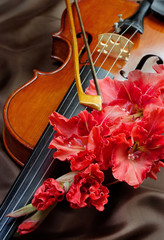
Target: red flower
{"x":149,"y":83}
{"x":137,"y":149}
{"x":140,"y":90}
{"x":47,"y":194}
{"x":87,"y":189}
{"x":83,"y":146}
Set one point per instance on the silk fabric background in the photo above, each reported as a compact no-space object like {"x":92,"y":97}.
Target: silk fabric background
{"x":25,"y":44}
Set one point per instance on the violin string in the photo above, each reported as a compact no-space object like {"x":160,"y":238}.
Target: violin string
{"x":107,"y":55}
{"x":25,"y":192}
{"x":50,"y":136}
{"x":82,"y":70}
{"x":102,"y":48}
{"x":102,"y":65}
{"x":94,"y":63}
{"x":114,"y":46}
{"x":120,"y":52}
{"x":95,"y":50}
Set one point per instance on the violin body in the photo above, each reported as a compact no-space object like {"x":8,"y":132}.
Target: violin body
{"x":27,"y":109}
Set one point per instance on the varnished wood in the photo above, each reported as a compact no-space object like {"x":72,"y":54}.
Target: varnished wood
{"x":27,"y":109}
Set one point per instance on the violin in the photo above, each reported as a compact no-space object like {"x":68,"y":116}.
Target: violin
{"x":27,"y":109}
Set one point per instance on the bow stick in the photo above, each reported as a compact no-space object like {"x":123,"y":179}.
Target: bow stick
{"x":84,"y":99}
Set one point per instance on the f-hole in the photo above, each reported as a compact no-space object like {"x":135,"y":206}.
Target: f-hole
{"x":89,"y":37}
{"x":142,"y":63}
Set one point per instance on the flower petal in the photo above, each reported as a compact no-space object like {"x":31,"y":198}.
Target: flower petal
{"x":66,"y":148}
{"x":132,"y":171}
{"x":109,"y":89}
{"x":63,"y":126}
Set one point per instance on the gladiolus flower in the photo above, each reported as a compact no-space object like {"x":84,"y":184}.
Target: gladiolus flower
{"x":47,"y":194}
{"x":87,"y":189}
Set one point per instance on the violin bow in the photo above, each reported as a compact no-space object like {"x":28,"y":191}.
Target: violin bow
{"x":93,"y":101}
{"x":40,"y":165}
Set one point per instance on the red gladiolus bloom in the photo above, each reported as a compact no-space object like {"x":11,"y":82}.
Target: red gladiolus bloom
{"x":87,"y":189}
{"x":138,"y":148}
{"x":83,"y":145}
{"x":47,"y":194}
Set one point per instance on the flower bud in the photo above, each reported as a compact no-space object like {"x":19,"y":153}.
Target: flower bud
{"x":31,"y":223}
{"x":22,"y":211}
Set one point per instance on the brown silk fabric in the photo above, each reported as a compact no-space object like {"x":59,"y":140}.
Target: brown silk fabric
{"x":25,"y":44}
